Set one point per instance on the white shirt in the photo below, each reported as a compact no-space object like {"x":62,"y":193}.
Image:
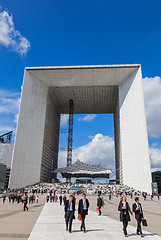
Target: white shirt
{"x":138,"y":205}
{"x":124,"y":204}
{"x":70,"y":206}
{"x":84,"y":204}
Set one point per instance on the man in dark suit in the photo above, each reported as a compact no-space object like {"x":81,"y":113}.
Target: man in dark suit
{"x":25,"y":201}
{"x":69,"y":212}
{"x":99,"y":204}
{"x":60,"y":199}
{"x":137,"y":209}
{"x":64,"y":199}
{"x":83,"y":210}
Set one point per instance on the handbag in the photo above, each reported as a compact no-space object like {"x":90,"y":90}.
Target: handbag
{"x":97,"y":210}
{"x":79,"y":217}
{"x":144,"y":222}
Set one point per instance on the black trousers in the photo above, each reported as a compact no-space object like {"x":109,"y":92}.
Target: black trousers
{"x":25,"y":207}
{"x":69,"y":219}
{"x":83,"y":215}
{"x":100,"y":211}
{"x":125,"y":224}
{"x":139,"y":226}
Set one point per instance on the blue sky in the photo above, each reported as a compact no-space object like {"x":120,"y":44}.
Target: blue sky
{"x":59,"y":32}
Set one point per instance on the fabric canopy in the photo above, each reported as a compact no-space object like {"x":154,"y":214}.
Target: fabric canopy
{"x":80,"y":169}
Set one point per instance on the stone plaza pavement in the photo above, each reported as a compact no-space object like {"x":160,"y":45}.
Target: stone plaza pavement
{"x":51,"y":225}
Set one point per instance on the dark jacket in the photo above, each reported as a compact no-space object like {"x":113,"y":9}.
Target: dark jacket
{"x":60,"y":198}
{"x":138,"y":213}
{"x":80,"y":206}
{"x":124,"y":213}
{"x":25,"y":199}
{"x":67,"y":205}
{"x":99,"y":202}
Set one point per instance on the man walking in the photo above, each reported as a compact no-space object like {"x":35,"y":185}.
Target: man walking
{"x":137,"y":209}
{"x":144,"y":196}
{"x":69,"y":212}
{"x":4,"y":198}
{"x":158,"y":196}
{"x":64,"y":199}
{"x":25,"y":200}
{"x":99,"y":204}
{"x":60,"y":199}
{"x":83,"y":210}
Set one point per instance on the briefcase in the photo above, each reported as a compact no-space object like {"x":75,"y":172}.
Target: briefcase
{"x":144,"y":222}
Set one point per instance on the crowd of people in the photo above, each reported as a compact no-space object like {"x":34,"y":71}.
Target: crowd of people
{"x":24,"y":198}
{"x":72,"y":188}
{"x":19,"y":198}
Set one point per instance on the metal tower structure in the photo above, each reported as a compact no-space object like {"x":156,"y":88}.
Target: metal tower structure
{"x":70,"y":134}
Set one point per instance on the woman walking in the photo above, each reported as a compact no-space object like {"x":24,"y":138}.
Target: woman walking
{"x":99,"y":204}
{"x":124,"y":209}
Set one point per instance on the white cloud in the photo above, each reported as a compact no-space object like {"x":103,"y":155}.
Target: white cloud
{"x":155,"y":157}
{"x":64,"y":119}
{"x":10,"y":37}
{"x":16,"y":118}
{"x":8,"y":93}
{"x":9,"y":105}
{"x":100,"y":150}
{"x":7,"y":128}
{"x":152,"y":96}
{"x":87,"y":118}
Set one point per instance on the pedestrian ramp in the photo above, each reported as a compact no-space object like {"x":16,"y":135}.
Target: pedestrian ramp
{"x":51,"y":225}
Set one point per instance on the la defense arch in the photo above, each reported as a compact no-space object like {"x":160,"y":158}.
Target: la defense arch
{"x":96,"y":89}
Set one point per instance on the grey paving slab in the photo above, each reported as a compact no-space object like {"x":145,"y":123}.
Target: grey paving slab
{"x":51,"y":225}
{"x":16,"y":224}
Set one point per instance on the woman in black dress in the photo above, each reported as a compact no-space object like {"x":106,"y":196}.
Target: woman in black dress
{"x":124,"y":209}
